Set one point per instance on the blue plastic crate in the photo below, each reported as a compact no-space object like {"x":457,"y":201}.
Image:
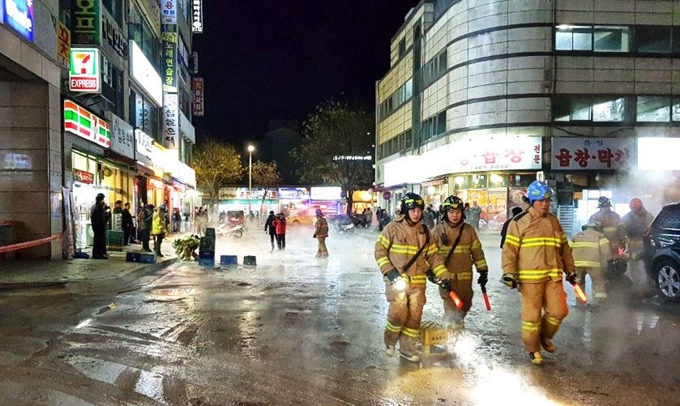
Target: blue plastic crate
{"x":147,"y":258}
{"x":133,"y":257}
{"x":206,"y":262}
{"x":206,"y":254}
{"x":250,"y":260}
{"x":228,"y":260}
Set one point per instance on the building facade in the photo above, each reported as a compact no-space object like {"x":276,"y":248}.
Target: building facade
{"x":83,"y":93}
{"x":484,"y":96}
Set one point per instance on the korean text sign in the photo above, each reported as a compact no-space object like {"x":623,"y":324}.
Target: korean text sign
{"x":496,"y":154}
{"x":590,"y":153}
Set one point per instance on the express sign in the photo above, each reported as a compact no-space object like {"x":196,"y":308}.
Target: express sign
{"x":85,"y":73}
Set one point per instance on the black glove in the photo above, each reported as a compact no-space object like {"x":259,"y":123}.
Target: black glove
{"x":510,"y":280}
{"x":314,"y":236}
{"x":446,"y":284}
{"x":483,"y":278}
{"x":393,"y":275}
{"x":571,"y":277}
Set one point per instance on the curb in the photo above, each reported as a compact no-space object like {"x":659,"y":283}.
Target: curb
{"x":125,"y":278}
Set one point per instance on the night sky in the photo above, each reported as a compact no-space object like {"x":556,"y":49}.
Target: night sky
{"x":277,"y":59}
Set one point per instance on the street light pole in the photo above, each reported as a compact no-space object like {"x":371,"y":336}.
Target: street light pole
{"x":250,"y":178}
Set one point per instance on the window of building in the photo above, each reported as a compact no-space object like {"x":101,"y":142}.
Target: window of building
{"x":115,"y":8}
{"x":434,"y":69}
{"x":676,"y":109}
{"x":573,"y":38}
{"x":656,"y":40}
{"x":140,"y":31}
{"x":402,"y":47}
{"x":611,"y":39}
{"x":676,"y":40}
{"x":609,"y":109}
{"x":653,"y":109}
{"x":396,"y":100}
{"x":579,"y":109}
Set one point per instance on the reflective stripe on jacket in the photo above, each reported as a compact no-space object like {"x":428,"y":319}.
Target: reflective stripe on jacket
{"x":536,"y":248}
{"x":321,"y":227}
{"x":612,"y":227}
{"x":399,"y":242}
{"x":468,"y":251}
{"x":590,"y":249}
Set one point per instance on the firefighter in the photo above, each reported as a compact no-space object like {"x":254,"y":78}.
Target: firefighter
{"x":635,"y":223}
{"x":535,"y":254}
{"x":454,"y":233}
{"x":320,"y":233}
{"x":404,"y":252}
{"x":591,"y":255}
{"x":610,"y":224}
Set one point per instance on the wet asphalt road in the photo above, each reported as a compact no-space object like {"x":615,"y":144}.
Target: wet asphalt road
{"x":304,"y":331}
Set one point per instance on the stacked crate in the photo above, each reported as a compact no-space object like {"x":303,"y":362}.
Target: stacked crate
{"x":206,"y":249}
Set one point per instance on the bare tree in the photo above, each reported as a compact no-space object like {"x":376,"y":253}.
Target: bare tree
{"x":337,"y":147}
{"x":216,"y":165}
{"x":265,"y":175}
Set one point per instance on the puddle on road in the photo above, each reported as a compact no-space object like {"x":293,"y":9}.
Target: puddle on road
{"x":174,"y":292}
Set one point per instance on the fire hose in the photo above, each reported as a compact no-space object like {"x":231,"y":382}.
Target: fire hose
{"x":28,"y":244}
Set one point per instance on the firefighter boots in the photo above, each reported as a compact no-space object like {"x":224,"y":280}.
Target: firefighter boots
{"x":409,"y":356}
{"x":547,"y":344}
{"x":390,"y":350}
{"x":536,"y":358}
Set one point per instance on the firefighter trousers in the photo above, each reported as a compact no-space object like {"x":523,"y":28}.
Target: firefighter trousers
{"x":544,"y":306}
{"x":453,"y":318}
{"x":599,"y":280}
{"x":322,"y":251}
{"x":403,"y":316}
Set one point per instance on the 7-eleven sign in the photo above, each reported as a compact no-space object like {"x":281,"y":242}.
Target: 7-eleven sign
{"x":85,"y":74}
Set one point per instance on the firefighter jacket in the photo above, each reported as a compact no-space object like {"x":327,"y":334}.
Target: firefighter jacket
{"x":536,"y":249}
{"x":590,"y":249}
{"x":399,"y":242}
{"x":158,"y":225}
{"x":636,"y":223}
{"x":467,"y":252}
{"x":321,"y":227}
{"x":612,"y":227}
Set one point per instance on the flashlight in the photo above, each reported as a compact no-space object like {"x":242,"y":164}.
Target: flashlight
{"x":400,"y":284}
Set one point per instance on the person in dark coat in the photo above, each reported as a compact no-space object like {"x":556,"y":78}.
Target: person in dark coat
{"x":128,"y":225}
{"x":515,"y":211}
{"x":98,"y":219}
{"x":269,"y":227}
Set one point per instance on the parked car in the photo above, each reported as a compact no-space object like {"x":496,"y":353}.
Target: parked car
{"x":661,"y":253}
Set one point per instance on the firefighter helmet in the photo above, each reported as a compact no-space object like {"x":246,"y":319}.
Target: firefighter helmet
{"x":636,"y":204}
{"x":604,"y":202}
{"x":538,"y":190}
{"x":411,"y":201}
{"x":452,"y":203}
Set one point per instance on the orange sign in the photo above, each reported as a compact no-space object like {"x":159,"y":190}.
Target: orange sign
{"x":63,"y":44}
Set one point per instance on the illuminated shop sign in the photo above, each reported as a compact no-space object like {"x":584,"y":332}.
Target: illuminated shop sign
{"x":326,"y":193}
{"x":197,"y":17}
{"x":169,"y":62}
{"x":658,"y":154}
{"x":85,"y":22}
{"x":492,"y":154}
{"x":298,"y":193}
{"x":81,"y":122}
{"x":145,"y":74}
{"x":590,"y":153}
{"x":85,"y":72}
{"x":171,"y":121}
{"x":18,"y":14}
{"x":198,"y":95}
{"x":83,"y":176}
{"x":242,"y":193}
{"x":122,"y":136}
{"x":169,"y":11}
{"x":144,"y":143}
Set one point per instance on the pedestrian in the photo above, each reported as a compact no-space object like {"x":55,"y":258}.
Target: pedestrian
{"x":611,"y":225}
{"x":535,"y":254}
{"x":128,"y":225}
{"x":144,"y":222}
{"x":591,"y":255}
{"x":404,"y":252}
{"x":270,"y":228}
{"x":473,"y":214}
{"x":158,"y":229}
{"x":635,"y":223}
{"x":280,"y":226}
{"x":428,"y":217}
{"x":321,"y":233}
{"x":460,"y":247}
{"x":515,"y":211}
{"x":98,"y":219}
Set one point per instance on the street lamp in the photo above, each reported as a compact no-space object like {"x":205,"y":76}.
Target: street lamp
{"x":251,"y":148}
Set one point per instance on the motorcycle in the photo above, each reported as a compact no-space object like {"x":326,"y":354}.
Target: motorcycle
{"x":235,"y":232}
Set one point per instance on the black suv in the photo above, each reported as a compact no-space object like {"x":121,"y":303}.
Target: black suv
{"x":662,"y":252}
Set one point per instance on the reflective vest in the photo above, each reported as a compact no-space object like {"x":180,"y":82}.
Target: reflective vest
{"x":468,"y":251}
{"x":590,"y":249}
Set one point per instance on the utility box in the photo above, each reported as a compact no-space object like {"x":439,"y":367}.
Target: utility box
{"x":433,"y":337}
